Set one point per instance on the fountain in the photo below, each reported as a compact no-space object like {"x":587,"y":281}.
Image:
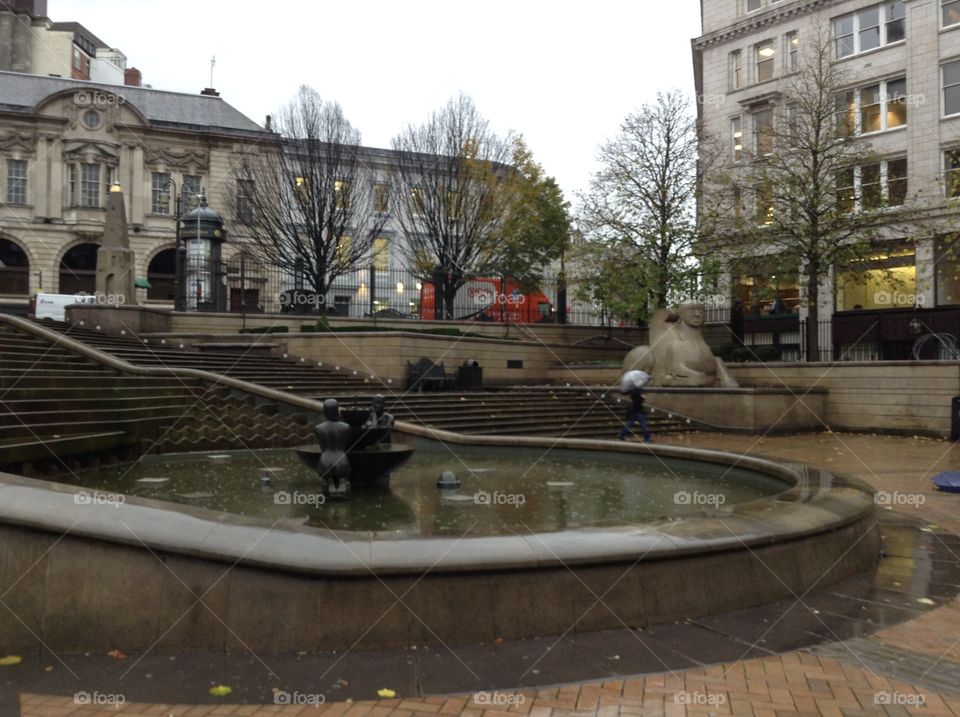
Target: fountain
{"x":353,"y":447}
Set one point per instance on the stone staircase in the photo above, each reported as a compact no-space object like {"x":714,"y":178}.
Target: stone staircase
{"x":60,"y":410}
{"x":552,"y":411}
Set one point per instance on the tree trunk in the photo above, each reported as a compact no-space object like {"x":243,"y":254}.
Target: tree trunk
{"x":813,"y":314}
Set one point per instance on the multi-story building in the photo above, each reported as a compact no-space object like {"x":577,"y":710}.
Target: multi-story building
{"x":31,"y":42}
{"x":901,"y":60}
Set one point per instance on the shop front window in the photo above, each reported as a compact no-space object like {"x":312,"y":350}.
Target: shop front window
{"x":886,"y":279}
{"x":763,"y":291}
{"x":948,"y":271}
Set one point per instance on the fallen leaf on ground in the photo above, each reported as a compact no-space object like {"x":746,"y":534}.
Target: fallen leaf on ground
{"x":386,"y":692}
{"x":117,"y":654}
{"x":10,"y":660}
{"x":220,"y":691}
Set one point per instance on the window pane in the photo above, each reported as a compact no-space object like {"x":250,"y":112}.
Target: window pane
{"x":766,"y":52}
{"x":896,"y":182}
{"x":381,"y":254}
{"x":951,"y":100}
{"x":951,"y":12}
{"x":896,"y":103}
{"x":948,"y":271}
{"x":381,"y":198}
{"x":846,"y":195}
{"x":90,"y":185}
{"x":753,"y":5}
{"x":846,"y":114}
{"x":161,"y":193}
{"x":869,"y":28}
{"x":736,"y":130}
{"x":951,"y":174}
{"x":870,"y":188}
{"x":763,"y":131}
{"x":870,"y":109}
{"x":17,"y":181}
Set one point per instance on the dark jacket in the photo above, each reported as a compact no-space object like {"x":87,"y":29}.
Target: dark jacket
{"x":636,"y":396}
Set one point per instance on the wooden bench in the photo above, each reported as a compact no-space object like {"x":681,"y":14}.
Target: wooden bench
{"x":427,"y":375}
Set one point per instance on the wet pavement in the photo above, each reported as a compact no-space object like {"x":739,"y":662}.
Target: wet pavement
{"x":877,"y":643}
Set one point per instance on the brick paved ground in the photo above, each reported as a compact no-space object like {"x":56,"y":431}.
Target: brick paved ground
{"x":860,"y":677}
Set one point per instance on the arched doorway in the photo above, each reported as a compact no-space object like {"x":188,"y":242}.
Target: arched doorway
{"x":161,"y":273}
{"x":14,"y":269}
{"x":78,"y":270}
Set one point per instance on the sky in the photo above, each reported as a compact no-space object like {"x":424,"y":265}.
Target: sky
{"x":563,"y":74}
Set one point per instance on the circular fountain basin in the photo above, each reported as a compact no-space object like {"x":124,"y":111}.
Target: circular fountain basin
{"x":434,"y":566}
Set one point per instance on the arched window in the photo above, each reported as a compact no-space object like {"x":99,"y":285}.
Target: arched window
{"x":14,"y":269}
{"x":78,"y":270}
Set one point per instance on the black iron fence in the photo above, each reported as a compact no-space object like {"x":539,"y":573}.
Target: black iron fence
{"x":245,"y":285}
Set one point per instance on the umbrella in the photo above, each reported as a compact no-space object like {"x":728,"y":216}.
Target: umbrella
{"x":633,"y":379}
{"x":948,"y":481}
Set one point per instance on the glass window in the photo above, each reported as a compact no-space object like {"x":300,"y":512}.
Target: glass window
{"x":869,"y":28}
{"x":736,"y":132}
{"x":886,"y":279}
{"x":948,"y":271}
{"x":951,"y":12}
{"x":847,"y":114}
{"x":871,"y":188}
{"x":767,"y":289}
{"x":764,"y":204}
{"x":896,"y":103}
{"x":870,"y":109}
{"x":381,"y":198}
{"x":793,"y":51}
{"x":245,"y":190}
{"x":951,"y":172}
{"x":843,"y":37}
{"x":766,"y":54}
{"x":417,"y":200}
{"x":753,"y":5}
{"x":381,"y":254}
{"x":90,"y":185}
{"x":896,"y":182}
{"x":341,"y":189}
{"x":736,"y":70}
{"x":160,"y":193}
{"x":869,"y":21}
{"x":846,"y":190}
{"x":343,"y":249}
{"x":896,"y":21}
{"x":16,"y":181}
{"x":190,"y":192}
{"x":763,"y":131}
{"x":951,"y":88}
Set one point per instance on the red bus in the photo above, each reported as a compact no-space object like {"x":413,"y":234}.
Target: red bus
{"x":492,"y":299}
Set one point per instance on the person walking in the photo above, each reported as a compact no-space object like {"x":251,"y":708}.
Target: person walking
{"x":636,"y":413}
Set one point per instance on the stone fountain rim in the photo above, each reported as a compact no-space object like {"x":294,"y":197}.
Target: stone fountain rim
{"x":804,"y":508}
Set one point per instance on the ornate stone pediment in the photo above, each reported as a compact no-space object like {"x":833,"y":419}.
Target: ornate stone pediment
{"x":180,"y":160}
{"x":80,"y":151}
{"x":18,"y":141}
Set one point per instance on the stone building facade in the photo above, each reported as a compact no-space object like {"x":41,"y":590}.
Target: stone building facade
{"x":63,"y":143}
{"x":902,"y":61}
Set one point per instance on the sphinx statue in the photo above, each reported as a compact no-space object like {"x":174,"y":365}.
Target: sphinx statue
{"x":677,"y":354}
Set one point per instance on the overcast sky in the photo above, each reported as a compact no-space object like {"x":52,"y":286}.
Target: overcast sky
{"x":562,"y":73}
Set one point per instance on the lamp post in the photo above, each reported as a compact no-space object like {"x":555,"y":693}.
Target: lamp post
{"x":179,"y":298}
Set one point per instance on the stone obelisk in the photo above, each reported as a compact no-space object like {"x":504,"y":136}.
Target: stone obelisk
{"x":116,"y":268}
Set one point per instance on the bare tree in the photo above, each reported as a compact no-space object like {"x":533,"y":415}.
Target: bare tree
{"x":307,"y":203}
{"x":808,"y":210}
{"x":449,"y":187}
{"x":641,"y":205}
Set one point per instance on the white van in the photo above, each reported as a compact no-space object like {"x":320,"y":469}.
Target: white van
{"x":54,"y":306}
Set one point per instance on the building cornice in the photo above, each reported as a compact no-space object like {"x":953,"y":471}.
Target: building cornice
{"x":751,"y":24}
